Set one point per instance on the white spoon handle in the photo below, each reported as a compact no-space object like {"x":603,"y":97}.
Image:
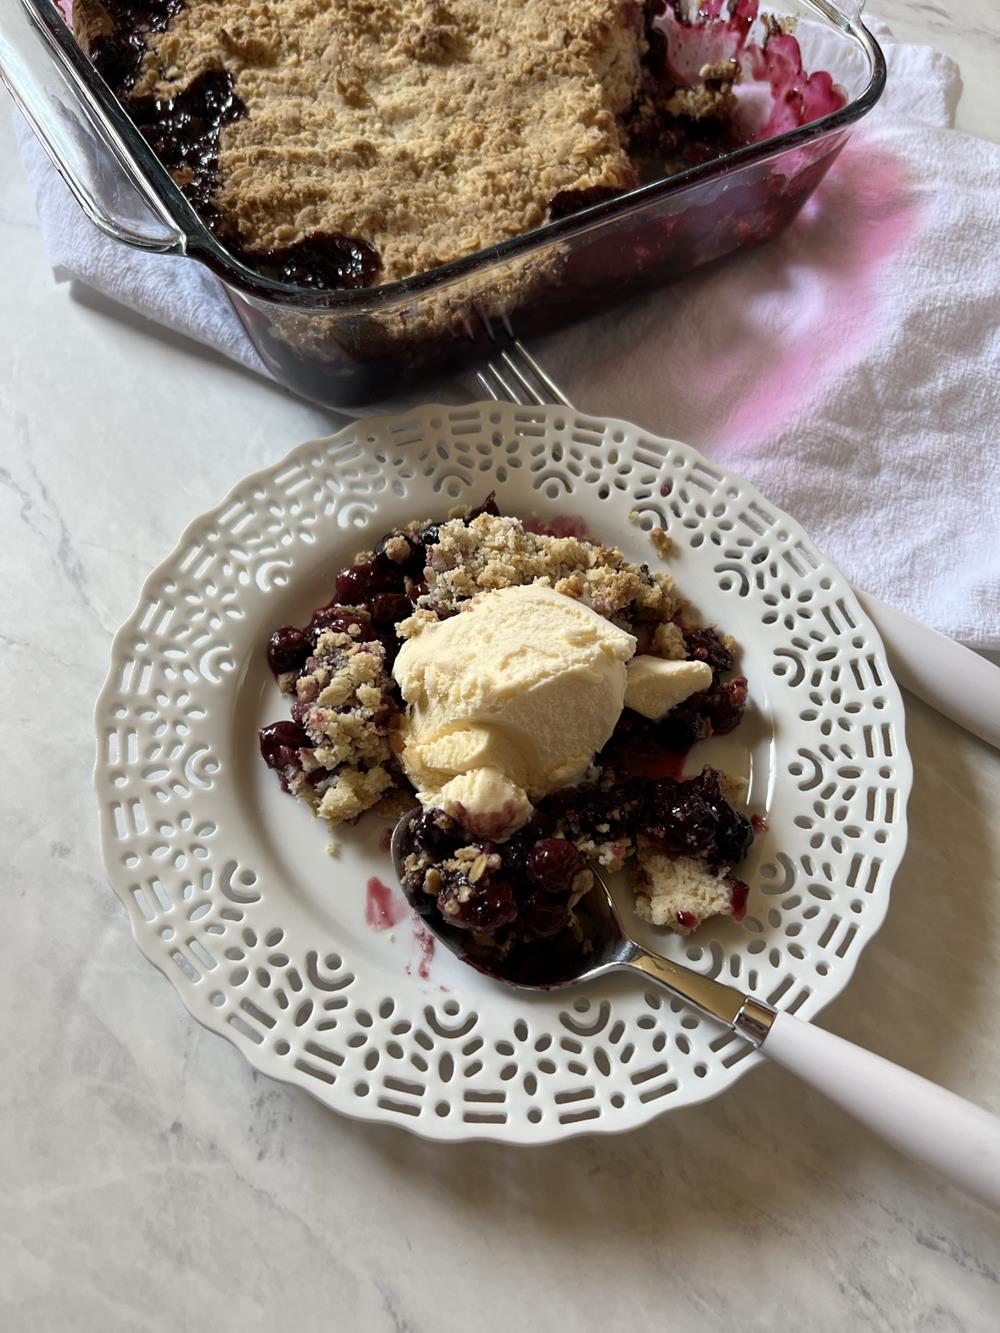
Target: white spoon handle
{"x":926,"y":1122}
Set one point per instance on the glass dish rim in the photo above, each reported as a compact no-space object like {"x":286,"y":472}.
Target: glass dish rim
{"x":198,"y":243}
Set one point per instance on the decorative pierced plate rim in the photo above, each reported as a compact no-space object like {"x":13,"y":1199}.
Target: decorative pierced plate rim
{"x":519,"y":1087}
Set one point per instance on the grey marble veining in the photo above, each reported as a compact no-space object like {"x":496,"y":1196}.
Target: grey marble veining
{"x":151,"y":1181}
{"x":969,"y":32}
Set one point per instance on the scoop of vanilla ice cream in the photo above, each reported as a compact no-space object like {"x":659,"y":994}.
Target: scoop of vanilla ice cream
{"x":485,"y":802}
{"x":526,"y":683}
{"x":656,"y":685}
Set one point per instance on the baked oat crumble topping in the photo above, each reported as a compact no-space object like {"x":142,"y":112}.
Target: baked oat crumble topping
{"x":493,"y":552}
{"x":345,"y":143}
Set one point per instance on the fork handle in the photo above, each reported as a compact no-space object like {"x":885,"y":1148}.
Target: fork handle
{"x":950,"y":677}
{"x":927,"y":1123}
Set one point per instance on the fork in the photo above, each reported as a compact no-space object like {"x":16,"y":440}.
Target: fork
{"x":951,"y":678}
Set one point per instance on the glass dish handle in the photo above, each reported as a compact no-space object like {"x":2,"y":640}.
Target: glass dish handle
{"x":72,"y":128}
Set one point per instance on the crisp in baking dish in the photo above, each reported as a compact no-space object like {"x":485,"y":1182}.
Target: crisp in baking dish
{"x":345,"y":345}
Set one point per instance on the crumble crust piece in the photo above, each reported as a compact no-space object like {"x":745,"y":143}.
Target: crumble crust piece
{"x":339,"y":704}
{"x":663,"y":543}
{"x":491,"y":553}
{"x":672,"y":889}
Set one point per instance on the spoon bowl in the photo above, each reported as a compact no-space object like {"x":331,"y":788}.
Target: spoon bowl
{"x":567,"y":959}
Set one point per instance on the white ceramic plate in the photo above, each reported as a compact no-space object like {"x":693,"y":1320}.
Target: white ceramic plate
{"x":227,"y":881}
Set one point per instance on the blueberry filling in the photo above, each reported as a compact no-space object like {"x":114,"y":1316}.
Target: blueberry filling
{"x":512,"y":893}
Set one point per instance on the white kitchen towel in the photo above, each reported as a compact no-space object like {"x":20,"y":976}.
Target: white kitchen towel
{"x":178,"y":293}
{"x":850,"y":368}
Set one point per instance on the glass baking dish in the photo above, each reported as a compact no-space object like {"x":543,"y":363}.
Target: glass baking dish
{"x":345,"y":348}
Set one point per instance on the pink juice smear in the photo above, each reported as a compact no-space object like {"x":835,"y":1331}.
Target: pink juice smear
{"x":383,"y":908}
{"x":425,"y":941}
{"x":560,"y":525}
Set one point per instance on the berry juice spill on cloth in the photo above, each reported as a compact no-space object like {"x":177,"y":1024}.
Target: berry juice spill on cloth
{"x":865,"y":214}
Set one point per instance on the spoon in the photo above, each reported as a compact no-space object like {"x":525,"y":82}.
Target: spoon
{"x":928,"y":1123}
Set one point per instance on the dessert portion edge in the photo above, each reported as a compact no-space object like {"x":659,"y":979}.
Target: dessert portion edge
{"x":540,"y":693}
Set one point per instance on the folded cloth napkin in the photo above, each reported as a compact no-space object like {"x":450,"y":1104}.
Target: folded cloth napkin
{"x":849,"y":368}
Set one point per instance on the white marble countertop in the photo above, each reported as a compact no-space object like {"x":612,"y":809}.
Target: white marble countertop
{"x":152,"y":1181}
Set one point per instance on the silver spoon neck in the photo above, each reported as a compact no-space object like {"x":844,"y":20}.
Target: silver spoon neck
{"x":749,"y":1017}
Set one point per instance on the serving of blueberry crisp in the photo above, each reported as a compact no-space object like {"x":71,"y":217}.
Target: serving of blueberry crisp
{"x":538,"y":693}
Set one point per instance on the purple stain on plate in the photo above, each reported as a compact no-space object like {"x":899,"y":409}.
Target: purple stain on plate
{"x":384,"y":907}
{"x":560,"y":525}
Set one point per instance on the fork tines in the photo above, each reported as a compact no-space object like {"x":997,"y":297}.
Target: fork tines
{"x":515,"y":376}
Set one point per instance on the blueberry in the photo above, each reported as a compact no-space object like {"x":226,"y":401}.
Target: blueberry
{"x":287,"y":650}
{"x":434,"y":832}
{"x":412,"y":562}
{"x":360,"y":583}
{"x":486,"y":906}
{"x":341,"y":619}
{"x":280,"y":744}
{"x":542,"y":915}
{"x":388,"y":608}
{"x":489,"y":506}
{"x":553,"y":864}
{"x":704,"y":645}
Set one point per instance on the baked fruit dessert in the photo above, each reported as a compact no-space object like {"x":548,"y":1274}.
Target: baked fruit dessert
{"x":354,"y":142}
{"x":538,"y":692}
